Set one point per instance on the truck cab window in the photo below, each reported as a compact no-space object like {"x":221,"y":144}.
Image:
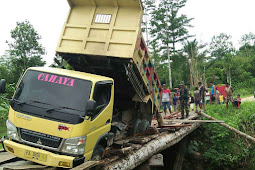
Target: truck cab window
{"x":102,"y":96}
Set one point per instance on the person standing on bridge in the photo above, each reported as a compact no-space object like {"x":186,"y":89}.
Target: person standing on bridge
{"x":202,"y":95}
{"x":197,"y":97}
{"x":184,"y":97}
{"x":229,"y":94}
{"x":166,"y":99}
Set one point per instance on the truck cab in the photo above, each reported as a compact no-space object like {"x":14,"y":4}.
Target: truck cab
{"x":59,"y":117}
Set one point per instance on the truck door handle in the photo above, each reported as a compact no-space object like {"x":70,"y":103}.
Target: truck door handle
{"x":108,"y":121}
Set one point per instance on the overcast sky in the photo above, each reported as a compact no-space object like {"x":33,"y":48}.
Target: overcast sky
{"x":234,"y":17}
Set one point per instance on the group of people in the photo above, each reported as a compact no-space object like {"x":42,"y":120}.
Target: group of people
{"x":180,"y":99}
{"x":217,"y":97}
{"x":183,"y":101}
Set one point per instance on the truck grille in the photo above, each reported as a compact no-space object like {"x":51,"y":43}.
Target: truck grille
{"x":40,"y":138}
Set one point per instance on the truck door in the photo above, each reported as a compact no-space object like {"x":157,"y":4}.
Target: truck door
{"x":100,"y":123}
{"x":102,"y":95}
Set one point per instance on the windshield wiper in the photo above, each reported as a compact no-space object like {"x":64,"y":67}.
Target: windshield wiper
{"x":16,"y":101}
{"x":28,"y":102}
{"x":61,"y":108}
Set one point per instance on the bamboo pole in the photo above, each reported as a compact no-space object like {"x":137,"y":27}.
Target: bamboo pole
{"x":250,"y":138}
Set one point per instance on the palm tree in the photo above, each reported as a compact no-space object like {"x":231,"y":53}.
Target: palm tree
{"x":195,"y":60}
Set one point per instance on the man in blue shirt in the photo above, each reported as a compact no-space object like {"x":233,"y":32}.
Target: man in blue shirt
{"x":213,"y":92}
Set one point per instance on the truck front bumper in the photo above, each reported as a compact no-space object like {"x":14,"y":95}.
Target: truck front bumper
{"x":41,"y":156}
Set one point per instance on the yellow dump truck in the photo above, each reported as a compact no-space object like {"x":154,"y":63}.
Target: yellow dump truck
{"x":62,"y":117}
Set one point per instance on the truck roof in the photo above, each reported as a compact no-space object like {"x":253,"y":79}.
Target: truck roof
{"x":72,"y":73}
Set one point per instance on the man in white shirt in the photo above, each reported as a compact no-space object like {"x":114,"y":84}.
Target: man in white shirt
{"x":207,"y":97}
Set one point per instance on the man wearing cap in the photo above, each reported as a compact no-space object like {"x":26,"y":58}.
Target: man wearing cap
{"x":166,"y":99}
{"x":229,"y":94}
{"x":184,"y":100}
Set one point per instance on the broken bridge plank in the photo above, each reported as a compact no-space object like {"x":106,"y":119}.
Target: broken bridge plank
{"x":87,"y":165}
{"x":5,"y":156}
{"x":195,"y":121}
{"x":148,"y":150}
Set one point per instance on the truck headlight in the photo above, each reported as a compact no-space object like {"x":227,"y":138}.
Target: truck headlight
{"x":12,"y":132}
{"x":75,"y":145}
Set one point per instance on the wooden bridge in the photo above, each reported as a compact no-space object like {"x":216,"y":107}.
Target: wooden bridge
{"x":131,"y":152}
{"x":127,"y":153}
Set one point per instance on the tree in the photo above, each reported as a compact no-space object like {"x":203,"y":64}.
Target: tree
{"x":24,"y":49}
{"x":248,"y":39}
{"x":149,"y":6}
{"x":222,"y":52}
{"x":195,"y":59}
{"x":168,"y":27}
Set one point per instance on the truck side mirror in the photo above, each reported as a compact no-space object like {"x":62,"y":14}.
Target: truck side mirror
{"x":2,"y":86}
{"x":90,"y":107}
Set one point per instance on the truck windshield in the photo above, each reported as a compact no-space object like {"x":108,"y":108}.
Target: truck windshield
{"x":65,"y":97}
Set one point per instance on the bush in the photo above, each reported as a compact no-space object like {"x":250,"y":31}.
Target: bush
{"x":223,"y":148}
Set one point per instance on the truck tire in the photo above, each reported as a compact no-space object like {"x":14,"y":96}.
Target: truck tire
{"x":98,"y":153}
{"x":136,"y":126}
{"x":143,"y":125}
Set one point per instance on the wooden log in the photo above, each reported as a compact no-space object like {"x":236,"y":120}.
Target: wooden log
{"x":111,"y":159}
{"x":150,"y":131}
{"x":195,"y":121}
{"x":175,"y":126}
{"x":87,"y":165}
{"x":136,"y":146}
{"x":126,"y":150}
{"x":5,"y":157}
{"x":248,"y":137}
{"x":120,"y":143}
{"x":25,"y":165}
{"x":180,"y":155}
{"x":142,"y":139}
{"x":148,"y":150}
{"x":175,"y":114}
{"x":156,"y":161}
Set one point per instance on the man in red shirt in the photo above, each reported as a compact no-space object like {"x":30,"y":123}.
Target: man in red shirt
{"x":237,"y":101}
{"x":166,"y":99}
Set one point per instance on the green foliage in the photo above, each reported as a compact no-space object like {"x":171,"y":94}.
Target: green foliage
{"x":248,"y":39}
{"x":221,"y":147}
{"x":4,"y":108}
{"x":221,"y":45}
{"x":167,"y":25}
{"x":24,"y":50}
{"x":196,"y":60}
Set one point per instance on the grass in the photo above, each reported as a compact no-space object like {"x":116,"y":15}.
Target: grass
{"x":2,"y":130}
{"x":243,"y":92}
{"x":222,"y":149}
{"x":242,"y":118}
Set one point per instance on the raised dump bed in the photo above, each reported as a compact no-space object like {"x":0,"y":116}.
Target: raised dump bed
{"x":102,"y":27}
{"x":104,"y":37}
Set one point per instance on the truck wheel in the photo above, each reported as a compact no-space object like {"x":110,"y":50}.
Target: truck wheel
{"x":135,"y":126}
{"x":143,"y":125}
{"x":98,"y":153}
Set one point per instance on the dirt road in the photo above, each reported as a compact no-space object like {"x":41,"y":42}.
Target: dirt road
{"x":248,"y":99}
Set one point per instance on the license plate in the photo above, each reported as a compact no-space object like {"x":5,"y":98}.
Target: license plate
{"x":36,"y":156}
